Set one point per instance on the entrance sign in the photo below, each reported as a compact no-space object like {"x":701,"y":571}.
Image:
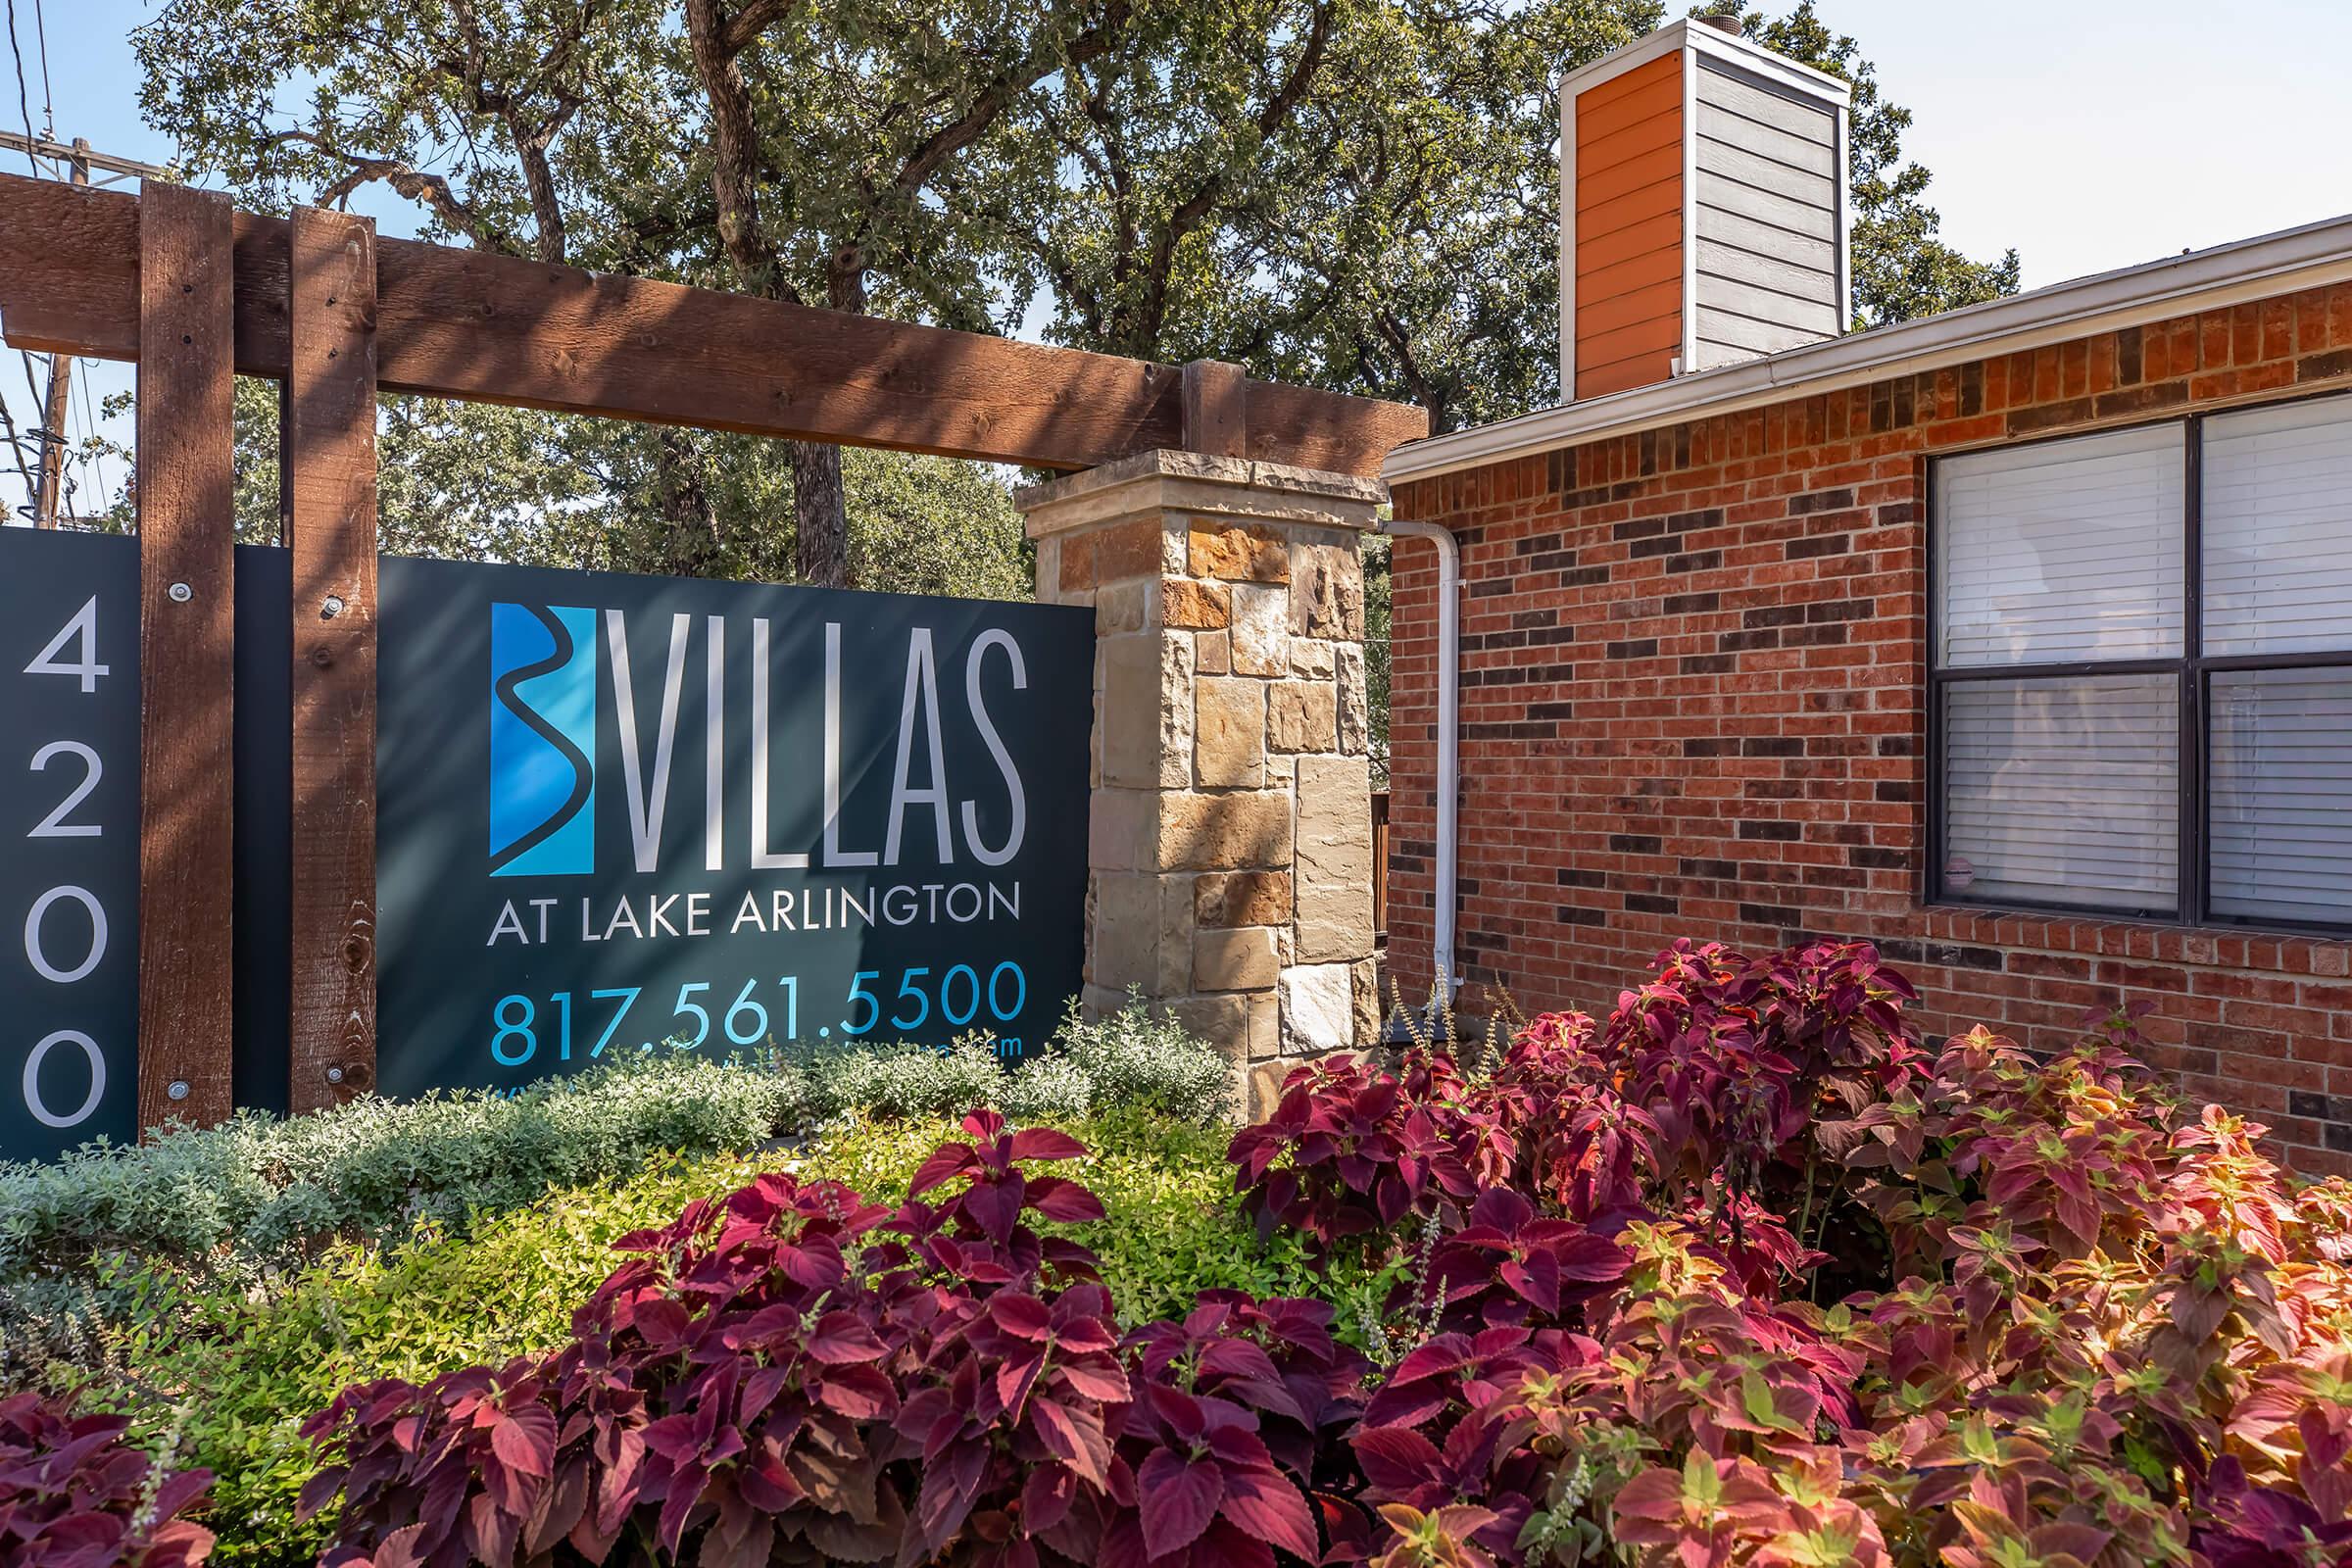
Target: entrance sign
{"x":70,"y":707}
{"x":628,"y":814}
{"x":69,"y":839}
{"x":615,"y":816}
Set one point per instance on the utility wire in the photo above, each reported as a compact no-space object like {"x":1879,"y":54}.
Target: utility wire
{"x":41,"y":35}
{"x":90,"y":428}
{"x":23,"y":97}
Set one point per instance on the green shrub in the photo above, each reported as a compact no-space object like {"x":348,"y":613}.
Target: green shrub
{"x":235,"y":1375}
{"x":234,"y":1372}
{"x":249,"y":1203}
{"x":1133,"y":1058}
{"x":238,"y":1205}
{"x":267,"y":1190}
{"x":1129,"y":1059}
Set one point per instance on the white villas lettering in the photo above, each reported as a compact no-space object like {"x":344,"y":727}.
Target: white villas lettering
{"x":932,"y":819}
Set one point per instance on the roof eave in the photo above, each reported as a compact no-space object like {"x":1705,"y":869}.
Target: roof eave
{"x":2261,"y":268}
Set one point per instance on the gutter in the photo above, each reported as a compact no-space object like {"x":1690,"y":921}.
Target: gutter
{"x":2264,"y":268}
{"x":1449,"y":736}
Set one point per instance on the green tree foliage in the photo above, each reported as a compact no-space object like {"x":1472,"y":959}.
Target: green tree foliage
{"x":1357,"y":194}
{"x":478,"y":482}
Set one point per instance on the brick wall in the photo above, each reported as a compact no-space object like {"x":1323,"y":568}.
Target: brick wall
{"x":1693,"y":681}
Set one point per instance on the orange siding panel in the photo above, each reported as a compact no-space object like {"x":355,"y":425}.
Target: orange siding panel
{"x":1613,"y":307}
{"x":1596,"y":248}
{"x":1628,"y":218}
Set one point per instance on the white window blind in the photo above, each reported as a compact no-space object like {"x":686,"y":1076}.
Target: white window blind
{"x":2280,"y":782}
{"x":2063,"y":790}
{"x":2062,"y":552}
{"x":2278,"y":529}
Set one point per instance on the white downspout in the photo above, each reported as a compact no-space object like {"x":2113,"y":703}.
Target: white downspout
{"x":1450,"y":762}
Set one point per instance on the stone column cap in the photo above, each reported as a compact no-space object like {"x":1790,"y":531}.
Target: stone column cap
{"x":1194,"y":482}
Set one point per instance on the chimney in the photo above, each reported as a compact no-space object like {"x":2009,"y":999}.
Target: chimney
{"x":1703,"y":208}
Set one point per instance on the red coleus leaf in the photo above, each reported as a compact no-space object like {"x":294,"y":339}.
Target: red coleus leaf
{"x":1179,"y":1498}
{"x":1397,"y":1460}
{"x":946,"y":1162}
{"x":951,"y":1485}
{"x":843,"y":1338}
{"x":1042,"y":1143}
{"x":1073,"y":1436}
{"x":1264,"y":1502}
{"x":1022,"y":1315}
{"x":524,"y":1439}
{"x":1057,"y":1198}
{"x":663,"y":1320}
{"x":861,"y":1392}
{"x":1104,"y":1381}
{"x":996,"y":1206}
{"x":1047,"y":1496}
{"x":1015,"y":1378}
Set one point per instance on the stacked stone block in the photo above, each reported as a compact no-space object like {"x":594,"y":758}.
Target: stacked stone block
{"x":1230,"y":846}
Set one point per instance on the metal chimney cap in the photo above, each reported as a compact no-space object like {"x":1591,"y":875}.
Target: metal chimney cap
{"x":1725,"y":21}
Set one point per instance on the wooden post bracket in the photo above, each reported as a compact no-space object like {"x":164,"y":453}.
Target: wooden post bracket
{"x":329,"y":457}
{"x":1216,"y":409}
{"x":187,"y":533}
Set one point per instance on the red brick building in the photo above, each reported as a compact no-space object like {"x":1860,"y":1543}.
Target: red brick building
{"x":2017,"y":640}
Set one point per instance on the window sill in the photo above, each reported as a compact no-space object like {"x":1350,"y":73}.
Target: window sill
{"x":2149,"y":941}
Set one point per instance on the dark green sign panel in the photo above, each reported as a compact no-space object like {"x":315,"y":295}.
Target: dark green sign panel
{"x":620,"y":815}
{"x":615,"y":816}
{"x":69,"y":836}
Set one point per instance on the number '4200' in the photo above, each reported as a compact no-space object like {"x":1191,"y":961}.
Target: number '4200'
{"x":959,"y":996}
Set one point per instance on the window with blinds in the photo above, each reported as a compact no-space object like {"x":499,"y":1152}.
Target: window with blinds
{"x":2141,"y":671}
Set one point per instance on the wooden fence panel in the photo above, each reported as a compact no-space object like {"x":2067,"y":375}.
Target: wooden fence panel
{"x":187,"y":532}
{"x":329,"y":457}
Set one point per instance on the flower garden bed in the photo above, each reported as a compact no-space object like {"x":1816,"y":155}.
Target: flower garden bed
{"x":1745,"y":1274}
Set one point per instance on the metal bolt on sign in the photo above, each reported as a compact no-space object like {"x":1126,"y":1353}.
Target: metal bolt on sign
{"x":178,"y":1089}
{"x":331,"y":607}
{"x":181,"y":593}
{"x":334,"y":1075}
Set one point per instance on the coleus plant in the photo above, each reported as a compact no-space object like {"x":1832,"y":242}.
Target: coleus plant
{"x":2064,"y":1325}
{"x":794,"y":1374}
{"x":1511,"y":1265}
{"x":793,"y":1371}
{"x":1351,"y":1151}
{"x":76,"y":1493}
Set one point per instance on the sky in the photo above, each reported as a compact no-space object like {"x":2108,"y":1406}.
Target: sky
{"x":2089,"y":134}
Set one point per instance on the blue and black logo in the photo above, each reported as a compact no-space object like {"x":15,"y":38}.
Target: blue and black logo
{"x":542,"y":740}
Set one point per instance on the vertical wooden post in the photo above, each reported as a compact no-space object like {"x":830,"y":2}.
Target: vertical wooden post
{"x":329,"y":454}
{"x":187,"y":531}
{"x":1216,"y":414}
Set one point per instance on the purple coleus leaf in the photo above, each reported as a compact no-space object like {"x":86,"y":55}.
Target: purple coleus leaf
{"x":1179,"y":1498}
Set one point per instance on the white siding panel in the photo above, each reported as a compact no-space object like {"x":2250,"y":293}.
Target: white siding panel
{"x":1725,"y":160}
{"x":1809,"y":216}
{"x":1722,"y":90}
{"x":1815,"y":251}
{"x":1765,"y":262}
{"x":1811,"y":155}
{"x":1770,"y":271}
{"x":1816,"y":316}
{"x":1746,"y":337}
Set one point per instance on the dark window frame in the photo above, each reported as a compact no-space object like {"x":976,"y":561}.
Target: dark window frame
{"x":2192,"y":674}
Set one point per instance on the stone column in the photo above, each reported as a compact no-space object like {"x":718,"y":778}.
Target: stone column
{"x":1230,"y":857}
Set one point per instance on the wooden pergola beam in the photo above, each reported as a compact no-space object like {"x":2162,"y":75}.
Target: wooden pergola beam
{"x":470,"y":326}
